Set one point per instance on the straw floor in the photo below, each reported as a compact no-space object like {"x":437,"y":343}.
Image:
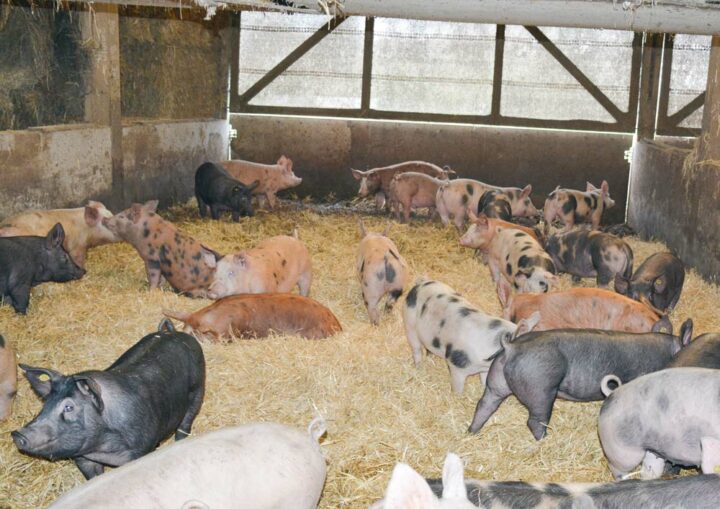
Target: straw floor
{"x":380,"y":409}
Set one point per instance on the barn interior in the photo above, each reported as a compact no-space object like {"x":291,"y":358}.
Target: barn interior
{"x":121,"y":101}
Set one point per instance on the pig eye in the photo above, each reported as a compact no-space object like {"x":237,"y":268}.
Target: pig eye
{"x":231,"y":273}
{"x":69,"y":407}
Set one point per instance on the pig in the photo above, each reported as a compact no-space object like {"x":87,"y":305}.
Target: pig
{"x":216,"y":190}
{"x":27,"y":261}
{"x":495,"y":204}
{"x":275,"y":265}
{"x":539,"y":367}
{"x":271,"y":177}
{"x":657,"y":283}
{"x":438,"y":319}
{"x":187,"y":265}
{"x":588,"y":253}
{"x":408,"y":490}
{"x":672,"y":415}
{"x":381,"y":270}
{"x":257,"y":315}
{"x":111,"y":417}
{"x":412,"y":190}
{"x":8,"y":378}
{"x":512,"y":254}
{"x":574,"y":207}
{"x":459,"y":197}
{"x":703,"y":352}
{"x":377,"y":181}
{"x":263,"y":465}
{"x":694,"y":492}
{"x":83,"y":228}
{"x":496,"y":224}
{"x":578,"y":308}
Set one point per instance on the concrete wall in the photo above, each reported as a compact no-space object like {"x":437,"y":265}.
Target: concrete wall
{"x":677,"y":203}
{"x":323,"y":150}
{"x":64,"y":166}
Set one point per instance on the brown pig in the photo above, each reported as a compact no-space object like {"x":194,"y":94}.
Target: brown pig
{"x":256,"y":315}
{"x":83,"y":228}
{"x":413,"y":190}
{"x":272,"y":177}
{"x":8,"y":378}
{"x":459,"y":197}
{"x":574,"y":207}
{"x":578,"y":308}
{"x":377,"y":181}
{"x":276,"y":264}
{"x":187,"y":265}
{"x":382,"y":271}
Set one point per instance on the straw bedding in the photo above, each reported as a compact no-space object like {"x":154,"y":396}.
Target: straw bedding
{"x":380,"y":409}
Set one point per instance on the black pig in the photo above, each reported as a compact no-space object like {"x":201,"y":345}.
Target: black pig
{"x":111,"y":417}
{"x":571,"y":364}
{"x":217,"y":190}
{"x":28,"y":261}
{"x":702,"y":352}
{"x":656,"y":283}
{"x":588,"y":253}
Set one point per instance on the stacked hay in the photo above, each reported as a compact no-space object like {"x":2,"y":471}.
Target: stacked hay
{"x":380,"y":409}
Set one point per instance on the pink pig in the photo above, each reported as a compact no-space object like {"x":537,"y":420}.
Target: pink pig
{"x":272,"y":177}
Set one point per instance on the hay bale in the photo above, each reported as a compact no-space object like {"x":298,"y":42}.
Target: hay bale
{"x":380,"y":409}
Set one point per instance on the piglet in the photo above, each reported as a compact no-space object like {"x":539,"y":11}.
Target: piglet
{"x":187,"y":265}
{"x":657,"y":283}
{"x":216,"y":190}
{"x":381,"y":270}
{"x":438,"y":319}
{"x":587,"y":253}
{"x":111,"y":417}
{"x":412,"y":190}
{"x":261,"y":465}
{"x":257,"y":315}
{"x":570,"y":364}
{"x":702,"y":352}
{"x":673,"y":415}
{"x":28,"y":261}
{"x":271,"y":178}
{"x":377,"y":180}
{"x":8,"y":378}
{"x":573,"y":207}
{"x":495,"y":204}
{"x":275,"y":265}
{"x":83,"y":228}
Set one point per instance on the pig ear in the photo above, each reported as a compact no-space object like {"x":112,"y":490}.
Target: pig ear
{"x":166,"y":325}
{"x":589,"y":187}
{"x":135,"y":212}
{"x":210,"y":257}
{"x":90,"y":388}
{"x":55,"y":237}
{"x":453,"y":478}
{"x":92,"y":215}
{"x":686,"y":330}
{"x":526,"y":191}
{"x":621,"y":284}
{"x":482,"y":220}
{"x":150,"y":206}
{"x":710,"y":462}
{"x":408,"y":490}
{"x":663,"y":326}
{"x":41,"y":379}
{"x":357,"y":174}
{"x":660,"y":284}
{"x":527,"y":324}
{"x":472,"y":216}
{"x":605,"y":187}
{"x":363,"y":231}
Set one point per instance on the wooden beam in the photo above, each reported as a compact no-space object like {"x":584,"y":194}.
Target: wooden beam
{"x":649,"y":86}
{"x":576,"y":73}
{"x":665,"y":73}
{"x":709,"y":146}
{"x":684,"y":112}
{"x":635,"y":69}
{"x":293,"y":57}
{"x":498,"y":71}
{"x":367,"y":64}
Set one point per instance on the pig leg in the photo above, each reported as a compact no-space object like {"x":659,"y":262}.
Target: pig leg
{"x":261,"y":200}
{"x":271,"y":200}
{"x":89,"y":468}
{"x":539,"y":395}
{"x":415,"y":344}
{"x":214,"y":211}
{"x":202,"y":206}
{"x":496,"y":391}
{"x":20,"y":298}
{"x":652,"y":466}
{"x":406,"y":211}
{"x":393,"y":296}
{"x":154,"y":276}
{"x":459,"y":221}
{"x":304,"y":282}
{"x":185,"y":427}
{"x":379,"y":200}
{"x":457,"y":379}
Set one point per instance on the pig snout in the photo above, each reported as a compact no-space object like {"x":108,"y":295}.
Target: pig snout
{"x":21,"y":441}
{"x":30,"y":440}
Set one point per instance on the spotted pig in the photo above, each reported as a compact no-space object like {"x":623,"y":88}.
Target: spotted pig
{"x":574,"y":207}
{"x":438,"y":319}
{"x":588,"y":253}
{"x":382,"y":271}
{"x":168,"y":253}
{"x":8,"y":378}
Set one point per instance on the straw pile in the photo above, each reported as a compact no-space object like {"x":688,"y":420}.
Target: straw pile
{"x":380,"y":409}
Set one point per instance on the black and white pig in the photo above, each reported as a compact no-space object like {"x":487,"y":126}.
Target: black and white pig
{"x":217,"y":190}
{"x":495,"y":204}
{"x":437,"y":318}
{"x":657,"y":283}
{"x":702,"y":352}
{"x":673,"y":415}
{"x":28,"y":261}
{"x":570,"y":364}
{"x":587,"y":253}
{"x":111,"y":417}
